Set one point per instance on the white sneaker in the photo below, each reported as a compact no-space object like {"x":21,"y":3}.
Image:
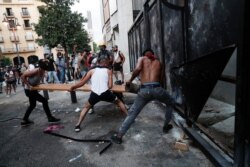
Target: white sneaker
{"x":77,"y":109}
{"x":8,"y":96}
{"x":91,"y":111}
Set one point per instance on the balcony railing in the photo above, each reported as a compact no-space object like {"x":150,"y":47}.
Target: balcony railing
{"x":14,"y":39}
{"x":25,"y":14}
{"x":11,"y":27}
{"x":29,"y":37}
{"x":20,"y":50}
{"x":10,"y":15}
{"x":27,"y":27}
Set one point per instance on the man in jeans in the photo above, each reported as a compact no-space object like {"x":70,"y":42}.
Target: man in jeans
{"x":150,"y":70}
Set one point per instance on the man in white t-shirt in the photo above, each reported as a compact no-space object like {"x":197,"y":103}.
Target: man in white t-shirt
{"x":101,"y":83}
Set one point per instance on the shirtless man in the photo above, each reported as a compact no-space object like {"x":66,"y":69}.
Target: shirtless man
{"x":101,"y":82}
{"x":150,"y":71}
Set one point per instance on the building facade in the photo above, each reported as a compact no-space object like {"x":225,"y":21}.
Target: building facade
{"x":17,"y":35}
{"x":118,"y":17}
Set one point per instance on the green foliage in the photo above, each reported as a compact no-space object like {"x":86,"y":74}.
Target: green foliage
{"x":5,"y":61}
{"x":96,"y":48}
{"x":59,"y":25}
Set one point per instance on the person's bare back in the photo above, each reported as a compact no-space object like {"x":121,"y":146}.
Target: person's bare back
{"x":150,"y":71}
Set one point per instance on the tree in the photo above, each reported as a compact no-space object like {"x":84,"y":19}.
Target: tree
{"x":96,"y":48}
{"x":59,"y":25}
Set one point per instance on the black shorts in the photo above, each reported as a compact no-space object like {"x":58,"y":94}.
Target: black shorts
{"x":118,"y":67}
{"x":107,"y":96}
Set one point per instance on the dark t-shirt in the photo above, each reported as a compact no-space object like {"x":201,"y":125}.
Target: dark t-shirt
{"x":104,"y":54}
{"x":51,"y":65}
{"x":2,"y":76}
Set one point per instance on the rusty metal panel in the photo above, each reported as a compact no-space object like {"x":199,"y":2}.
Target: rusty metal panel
{"x":138,"y":42}
{"x":197,"y":78}
{"x":143,"y":35}
{"x":154,"y":24}
{"x":212,"y":24}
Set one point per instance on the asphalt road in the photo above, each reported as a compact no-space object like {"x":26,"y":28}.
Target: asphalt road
{"x":144,"y":145}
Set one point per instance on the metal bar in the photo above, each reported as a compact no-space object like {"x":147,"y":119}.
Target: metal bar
{"x":73,"y":97}
{"x":242,"y":107}
{"x":213,"y":154}
{"x":46,"y":94}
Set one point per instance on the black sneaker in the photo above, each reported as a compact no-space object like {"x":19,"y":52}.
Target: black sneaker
{"x":53,"y":119}
{"x":26,"y":122}
{"x":116,"y":139}
{"x":167,"y":127}
{"x":77,"y":128}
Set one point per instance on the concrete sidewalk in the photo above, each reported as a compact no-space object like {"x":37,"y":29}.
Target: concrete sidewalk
{"x":144,"y":145}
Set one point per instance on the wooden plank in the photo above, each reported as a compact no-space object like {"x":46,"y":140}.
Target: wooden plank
{"x":65,"y":87}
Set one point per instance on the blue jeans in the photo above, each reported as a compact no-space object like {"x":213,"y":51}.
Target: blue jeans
{"x":53,"y":76}
{"x":144,"y":96}
{"x":62,"y":75}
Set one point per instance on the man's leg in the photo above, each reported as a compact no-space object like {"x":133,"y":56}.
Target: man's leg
{"x":163,"y":96}
{"x":32,"y":102}
{"x":54,"y":75}
{"x":83,"y":113}
{"x":44,"y":101}
{"x":136,"y":108}
{"x":122,"y":106}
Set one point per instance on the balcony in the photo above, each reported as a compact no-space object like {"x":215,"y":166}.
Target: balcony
{"x":11,"y":27}
{"x":20,"y":50}
{"x":29,"y":37}
{"x":27,"y":27}
{"x":25,"y":14}
{"x":10,"y":15}
{"x":14,"y":39}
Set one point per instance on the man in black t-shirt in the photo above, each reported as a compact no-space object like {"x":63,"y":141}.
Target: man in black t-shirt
{"x":52,"y":74}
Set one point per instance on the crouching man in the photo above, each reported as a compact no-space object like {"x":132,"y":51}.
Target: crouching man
{"x":101,"y":83}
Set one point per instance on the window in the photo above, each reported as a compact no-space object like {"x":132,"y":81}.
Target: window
{"x":29,"y":35}
{"x":31,"y":46}
{"x":26,"y":23}
{"x":1,"y":48}
{"x":112,"y":6}
{"x":9,"y":12}
{"x":12,"y":24}
{"x":16,"y":46}
{"x":25,"y":12}
{"x":9,"y":1}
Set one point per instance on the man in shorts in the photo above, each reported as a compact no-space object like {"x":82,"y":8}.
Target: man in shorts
{"x":118,"y":62}
{"x":101,"y":83}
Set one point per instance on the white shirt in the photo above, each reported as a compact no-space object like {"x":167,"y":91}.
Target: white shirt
{"x":99,"y":80}
{"x":117,"y":57}
{"x":31,"y":67}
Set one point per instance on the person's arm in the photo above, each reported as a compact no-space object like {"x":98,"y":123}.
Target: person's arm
{"x":27,"y":74}
{"x":137,"y":70}
{"x":82,"y":82}
{"x":122,"y":57}
{"x":79,"y":61}
{"x":110,"y":82}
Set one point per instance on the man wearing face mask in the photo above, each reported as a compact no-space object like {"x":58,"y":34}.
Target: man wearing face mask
{"x":32,"y":78}
{"x":105,"y":54}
